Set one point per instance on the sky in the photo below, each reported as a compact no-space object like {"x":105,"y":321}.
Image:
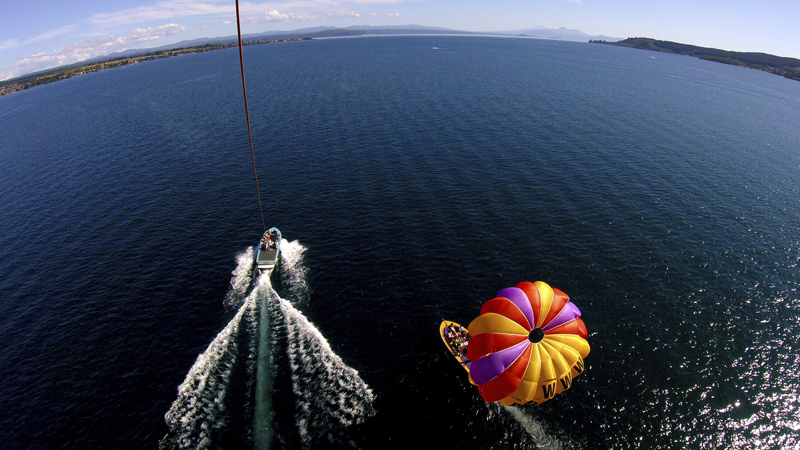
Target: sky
{"x":42,"y":34}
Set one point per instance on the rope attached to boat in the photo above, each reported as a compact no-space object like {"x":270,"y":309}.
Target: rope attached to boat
{"x":247,"y":114}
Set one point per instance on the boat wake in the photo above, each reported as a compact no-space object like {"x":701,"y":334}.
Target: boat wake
{"x":536,"y":431}
{"x":241,"y":279}
{"x":293,"y":272}
{"x":199,"y":416}
{"x":330,"y":395}
{"x":218,"y":399}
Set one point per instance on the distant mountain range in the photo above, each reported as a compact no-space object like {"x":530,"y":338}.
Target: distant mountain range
{"x":562,"y":33}
{"x":35,"y":78}
{"x":787,"y":67}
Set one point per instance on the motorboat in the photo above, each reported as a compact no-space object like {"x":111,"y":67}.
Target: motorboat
{"x":268,"y":252}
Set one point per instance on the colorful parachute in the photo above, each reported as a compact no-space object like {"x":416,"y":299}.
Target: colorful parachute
{"x":527,"y":345}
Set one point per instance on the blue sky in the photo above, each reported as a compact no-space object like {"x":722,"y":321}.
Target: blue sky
{"x":42,"y":34}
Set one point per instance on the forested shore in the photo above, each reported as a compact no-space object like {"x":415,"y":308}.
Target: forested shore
{"x":62,"y":73}
{"x":785,"y":67}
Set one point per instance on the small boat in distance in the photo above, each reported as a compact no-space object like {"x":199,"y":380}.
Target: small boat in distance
{"x":269,"y":249}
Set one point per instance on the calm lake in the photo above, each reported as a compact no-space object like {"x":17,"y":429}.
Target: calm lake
{"x":412,"y":179}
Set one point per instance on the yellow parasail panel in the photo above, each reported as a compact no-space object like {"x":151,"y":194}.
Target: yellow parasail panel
{"x":495,"y":323}
{"x":547,"y":376}
{"x":578,"y":343}
{"x":562,"y":367}
{"x":530,"y":380}
{"x":546,"y":295}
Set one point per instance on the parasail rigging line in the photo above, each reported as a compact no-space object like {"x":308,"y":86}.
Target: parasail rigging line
{"x":247,"y":114}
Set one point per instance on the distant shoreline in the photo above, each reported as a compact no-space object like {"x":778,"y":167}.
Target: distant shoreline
{"x":62,"y":73}
{"x":786,"y":67}
{"x":778,"y":65}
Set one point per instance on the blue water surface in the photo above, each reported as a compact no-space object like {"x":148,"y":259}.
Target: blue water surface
{"x":421,"y":175}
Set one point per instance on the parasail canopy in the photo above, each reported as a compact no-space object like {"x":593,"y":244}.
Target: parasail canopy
{"x":527,"y":345}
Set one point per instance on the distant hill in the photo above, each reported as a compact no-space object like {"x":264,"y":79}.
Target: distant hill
{"x":779,"y":65}
{"x":355,"y":30}
{"x":562,"y":33}
{"x":367,"y":30}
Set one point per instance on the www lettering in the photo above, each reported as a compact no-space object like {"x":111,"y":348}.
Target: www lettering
{"x":566,"y":381}
{"x":578,"y":366}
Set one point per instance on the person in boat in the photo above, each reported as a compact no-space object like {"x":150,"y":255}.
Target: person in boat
{"x":273,"y":239}
{"x":448,"y":333}
{"x":458,"y":339}
{"x":460,"y":346}
{"x":465,"y":334}
{"x":453,"y":334}
{"x":462,"y":349}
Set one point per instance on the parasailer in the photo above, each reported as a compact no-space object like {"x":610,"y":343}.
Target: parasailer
{"x":527,"y":345}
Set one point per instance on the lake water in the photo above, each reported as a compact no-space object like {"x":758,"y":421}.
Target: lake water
{"x":412,"y":178}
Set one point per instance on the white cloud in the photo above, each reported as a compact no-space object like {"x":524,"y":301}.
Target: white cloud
{"x":9,"y":44}
{"x":345,"y":14}
{"x":90,"y":48}
{"x":150,"y":34}
{"x":275,"y":16}
{"x":53,"y":33}
{"x":221,"y":12}
{"x":175,"y":9}
{"x":165,"y":10}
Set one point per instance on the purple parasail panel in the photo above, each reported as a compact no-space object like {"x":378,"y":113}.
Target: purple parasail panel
{"x":518,"y":297}
{"x":568,"y":313}
{"x":486,"y":368}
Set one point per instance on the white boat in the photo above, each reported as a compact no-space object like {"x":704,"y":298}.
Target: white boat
{"x":269,"y":250}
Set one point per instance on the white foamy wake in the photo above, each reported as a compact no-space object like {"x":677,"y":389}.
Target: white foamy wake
{"x":293,"y":271}
{"x":536,"y":431}
{"x":241,"y":278}
{"x":198,"y":416}
{"x":330,"y":395}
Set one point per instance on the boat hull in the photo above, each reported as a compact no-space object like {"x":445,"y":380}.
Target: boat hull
{"x":456,"y":354}
{"x":268,"y":251}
